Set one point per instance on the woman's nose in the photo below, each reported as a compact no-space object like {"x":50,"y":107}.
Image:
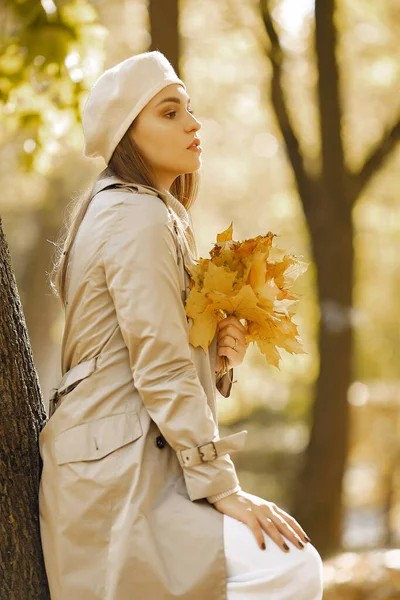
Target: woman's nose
{"x":194,"y":124}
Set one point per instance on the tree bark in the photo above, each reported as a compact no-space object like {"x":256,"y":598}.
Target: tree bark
{"x":318,"y":498}
{"x":41,"y":306}
{"x":318,"y":494}
{"x":328,"y":199}
{"x":22,"y":572}
{"x":164,"y":29}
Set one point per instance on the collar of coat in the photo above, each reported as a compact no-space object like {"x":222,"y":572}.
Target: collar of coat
{"x":107,"y":177}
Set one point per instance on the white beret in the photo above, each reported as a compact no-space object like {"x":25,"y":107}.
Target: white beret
{"x":118,"y":96}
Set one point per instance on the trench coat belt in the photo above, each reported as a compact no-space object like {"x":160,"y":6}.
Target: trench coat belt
{"x":206,"y":452}
{"x":70,"y":378}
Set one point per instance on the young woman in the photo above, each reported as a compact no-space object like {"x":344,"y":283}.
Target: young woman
{"x":139,"y":498}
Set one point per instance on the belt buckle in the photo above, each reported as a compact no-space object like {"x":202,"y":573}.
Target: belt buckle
{"x":202,"y":455}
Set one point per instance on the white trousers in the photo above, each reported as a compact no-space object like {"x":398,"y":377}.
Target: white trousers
{"x":271,"y":574}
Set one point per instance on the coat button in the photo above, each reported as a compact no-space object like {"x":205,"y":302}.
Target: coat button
{"x":160,"y":441}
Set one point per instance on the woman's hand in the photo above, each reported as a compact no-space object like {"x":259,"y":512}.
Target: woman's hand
{"x":259,"y":514}
{"x":229,"y":330}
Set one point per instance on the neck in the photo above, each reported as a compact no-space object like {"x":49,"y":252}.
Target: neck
{"x":165,"y":181}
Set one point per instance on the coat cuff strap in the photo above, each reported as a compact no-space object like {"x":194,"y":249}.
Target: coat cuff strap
{"x":191,"y":457}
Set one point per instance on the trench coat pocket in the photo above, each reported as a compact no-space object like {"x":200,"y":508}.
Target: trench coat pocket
{"x":95,"y":439}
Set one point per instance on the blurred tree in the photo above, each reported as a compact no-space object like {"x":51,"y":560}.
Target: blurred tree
{"x":50,"y":54}
{"x":328,"y":192}
{"x":49,"y":57}
{"x":164,"y":28}
{"x":22,"y":569}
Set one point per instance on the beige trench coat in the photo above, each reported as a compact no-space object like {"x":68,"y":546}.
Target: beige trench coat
{"x":123,"y":494}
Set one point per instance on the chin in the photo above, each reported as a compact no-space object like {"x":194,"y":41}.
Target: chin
{"x":186,"y":167}
{"x":191,"y":166}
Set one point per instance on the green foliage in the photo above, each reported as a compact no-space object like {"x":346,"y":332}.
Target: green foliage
{"x":49,"y":58}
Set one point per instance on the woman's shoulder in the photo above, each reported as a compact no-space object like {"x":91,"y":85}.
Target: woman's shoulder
{"x":139,"y":202}
{"x":133,"y":215}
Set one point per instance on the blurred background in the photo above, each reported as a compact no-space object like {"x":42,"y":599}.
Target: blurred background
{"x":300,"y":123}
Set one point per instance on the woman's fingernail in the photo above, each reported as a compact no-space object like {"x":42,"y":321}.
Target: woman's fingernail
{"x":307,"y":538}
{"x":301,"y":545}
{"x":286,"y":546}
{"x":263,"y":546}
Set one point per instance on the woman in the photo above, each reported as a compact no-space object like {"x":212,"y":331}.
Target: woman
{"x":139,"y":498}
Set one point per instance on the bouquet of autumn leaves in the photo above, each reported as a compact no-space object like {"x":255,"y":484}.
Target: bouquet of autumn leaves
{"x":251,"y":280}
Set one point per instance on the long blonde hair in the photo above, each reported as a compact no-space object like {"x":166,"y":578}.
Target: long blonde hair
{"x":128,"y":164}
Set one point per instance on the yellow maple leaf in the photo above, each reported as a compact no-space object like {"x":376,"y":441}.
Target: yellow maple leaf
{"x":218,"y":279}
{"x":226,"y":235}
{"x":197,"y":272}
{"x":257,"y":271}
{"x":250,"y":280}
{"x":268,"y":348}
{"x":267,"y":295}
{"x":204,"y":325}
{"x":265,"y":343}
{"x":286,"y":271}
{"x":270,"y":335}
{"x":242,"y":304}
{"x":292,"y":345}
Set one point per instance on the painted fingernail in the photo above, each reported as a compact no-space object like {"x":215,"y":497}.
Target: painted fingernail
{"x":263,"y":546}
{"x":301,"y":545}
{"x":286,"y":546}
{"x":307,"y":538}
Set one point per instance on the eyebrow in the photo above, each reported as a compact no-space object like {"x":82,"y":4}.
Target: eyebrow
{"x":171,"y":99}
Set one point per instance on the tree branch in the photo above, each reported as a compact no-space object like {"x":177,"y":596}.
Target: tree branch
{"x":305,"y":184}
{"x":381,"y":152}
{"x":334,"y":171}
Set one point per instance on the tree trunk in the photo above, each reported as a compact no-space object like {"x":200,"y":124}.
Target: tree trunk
{"x":325,"y":457}
{"x":164,"y":29}
{"x":22,"y":572}
{"x":41,"y":307}
{"x":327,"y":199}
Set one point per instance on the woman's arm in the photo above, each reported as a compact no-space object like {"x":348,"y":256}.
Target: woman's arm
{"x":143,"y":279}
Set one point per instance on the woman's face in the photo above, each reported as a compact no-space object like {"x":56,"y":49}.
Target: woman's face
{"x":163,"y":132}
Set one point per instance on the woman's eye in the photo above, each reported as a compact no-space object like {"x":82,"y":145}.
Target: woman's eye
{"x":172,"y":114}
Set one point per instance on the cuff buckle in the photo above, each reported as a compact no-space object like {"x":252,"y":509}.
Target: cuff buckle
{"x":205,"y":450}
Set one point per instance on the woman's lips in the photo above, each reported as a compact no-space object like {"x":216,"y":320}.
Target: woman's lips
{"x":195,"y":148}
{"x":195,"y":144}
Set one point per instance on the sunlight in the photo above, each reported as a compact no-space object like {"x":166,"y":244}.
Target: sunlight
{"x":384,"y":71}
{"x":48,"y":6}
{"x":29,"y":146}
{"x":290,"y":14}
{"x":72,"y":59}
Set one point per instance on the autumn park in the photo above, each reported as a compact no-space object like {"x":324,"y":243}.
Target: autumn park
{"x":297,"y":223}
